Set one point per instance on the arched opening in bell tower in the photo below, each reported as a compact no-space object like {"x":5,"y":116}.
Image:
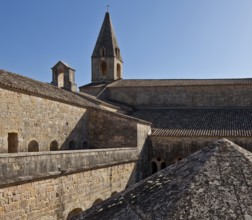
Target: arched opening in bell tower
{"x":103,"y":67}
{"x":118,"y":71}
{"x":103,"y":52}
{"x":117,"y":52}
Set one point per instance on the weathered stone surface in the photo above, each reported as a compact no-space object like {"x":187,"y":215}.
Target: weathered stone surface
{"x":16,"y":82}
{"x":171,"y":149}
{"x":181,"y":93}
{"x":46,"y":121}
{"x":55,"y":198}
{"x":32,"y":166}
{"x":110,"y":130}
{"x":40,"y":119}
{"x":213,"y":183}
{"x":106,"y":58}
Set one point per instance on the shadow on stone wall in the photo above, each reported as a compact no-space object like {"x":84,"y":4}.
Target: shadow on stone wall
{"x":142,"y":169}
{"x":77,"y":139}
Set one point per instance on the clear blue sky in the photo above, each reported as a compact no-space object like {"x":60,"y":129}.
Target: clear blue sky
{"x":158,"y":38}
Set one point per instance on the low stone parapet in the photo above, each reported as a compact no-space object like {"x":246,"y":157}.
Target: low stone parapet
{"x":25,"y":167}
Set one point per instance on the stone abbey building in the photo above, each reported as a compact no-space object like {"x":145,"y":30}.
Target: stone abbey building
{"x":63,"y":150}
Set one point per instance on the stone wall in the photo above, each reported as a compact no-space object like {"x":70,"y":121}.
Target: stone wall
{"x":20,"y":167}
{"x":111,"y":74}
{"x":97,"y":75}
{"x":110,"y":130}
{"x":172,"y":149}
{"x":40,"y":119}
{"x":182,"y":96}
{"x":105,"y":172}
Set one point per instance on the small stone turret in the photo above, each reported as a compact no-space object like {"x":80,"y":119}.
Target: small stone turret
{"x":63,"y":76}
{"x":106,"y":58}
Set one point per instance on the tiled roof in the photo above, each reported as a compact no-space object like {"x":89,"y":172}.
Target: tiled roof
{"x":65,"y":64}
{"x":36,"y":88}
{"x":94,"y":85}
{"x":178,"y":82}
{"x":198,"y":122}
{"x":213,"y":183}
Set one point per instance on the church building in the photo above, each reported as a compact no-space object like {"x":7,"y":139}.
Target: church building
{"x":63,"y":151}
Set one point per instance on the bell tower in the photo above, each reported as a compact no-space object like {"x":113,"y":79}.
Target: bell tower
{"x":107,"y":64}
{"x":63,"y":76}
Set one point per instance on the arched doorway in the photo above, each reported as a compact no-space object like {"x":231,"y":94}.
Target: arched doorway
{"x":33,"y":146}
{"x":73,"y":213}
{"x":54,"y":146}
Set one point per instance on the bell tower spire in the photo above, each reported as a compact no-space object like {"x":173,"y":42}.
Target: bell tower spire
{"x":106,"y":58}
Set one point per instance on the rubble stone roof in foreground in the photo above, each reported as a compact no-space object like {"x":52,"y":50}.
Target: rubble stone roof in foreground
{"x":24,"y":84}
{"x":213,"y":183}
{"x":198,"y":122}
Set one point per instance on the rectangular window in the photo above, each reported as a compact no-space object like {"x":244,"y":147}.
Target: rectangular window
{"x":12,"y":142}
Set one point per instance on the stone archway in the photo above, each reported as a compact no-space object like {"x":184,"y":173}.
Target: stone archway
{"x":97,"y":201}
{"x":154,"y":168}
{"x":54,"y":146}
{"x":104,"y":68}
{"x":74,"y":212}
{"x":33,"y":146}
{"x":114,"y":193}
{"x":157,"y":164}
{"x":118,"y":71}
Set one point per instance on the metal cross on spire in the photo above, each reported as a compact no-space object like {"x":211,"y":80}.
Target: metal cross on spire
{"x":108,"y":8}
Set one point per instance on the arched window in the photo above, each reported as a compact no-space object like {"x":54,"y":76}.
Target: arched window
{"x":153,"y":167}
{"x":103,"y":52}
{"x":118,"y":71}
{"x":54,"y":146}
{"x":74,"y":213}
{"x":163,"y":165}
{"x":72,"y":145}
{"x":85,"y":145}
{"x":114,"y":193}
{"x":157,"y":164}
{"x":33,"y":146}
{"x":117,"y":52}
{"x":97,"y":201}
{"x":103,"y":66}
{"x":177,"y":159}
